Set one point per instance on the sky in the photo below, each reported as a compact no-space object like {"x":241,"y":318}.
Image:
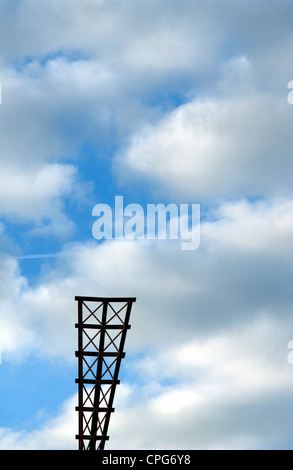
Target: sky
{"x":158,"y":101}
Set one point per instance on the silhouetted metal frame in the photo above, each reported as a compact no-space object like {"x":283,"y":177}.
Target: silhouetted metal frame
{"x":93,"y":424}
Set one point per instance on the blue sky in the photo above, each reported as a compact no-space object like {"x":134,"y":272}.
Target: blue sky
{"x":160,"y":102}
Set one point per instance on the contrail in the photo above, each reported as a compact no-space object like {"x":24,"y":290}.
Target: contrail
{"x":40,"y":256}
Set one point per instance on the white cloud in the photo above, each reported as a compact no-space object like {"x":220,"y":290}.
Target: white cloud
{"x":225,"y":391}
{"x":213,"y":148}
{"x":50,"y":110}
{"x":228,"y":391}
{"x":213,"y":329}
{"x":126,"y":34}
{"x":40,"y":125}
{"x":262,"y":227}
{"x":170,"y":42}
{"x":57,"y":433}
{"x":103,"y":64}
{"x":35,"y":196}
{"x":15,"y":335}
{"x":239,"y":272}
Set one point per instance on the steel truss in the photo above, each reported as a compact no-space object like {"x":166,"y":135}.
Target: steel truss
{"x":101,"y":337}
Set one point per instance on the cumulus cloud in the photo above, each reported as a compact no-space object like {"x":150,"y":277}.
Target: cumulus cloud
{"x":220,"y":393}
{"x":232,"y":278}
{"x":51,"y":109}
{"x":217,"y":147}
{"x":178,"y":41}
{"x":125,"y":33}
{"x":56,"y":434}
{"x":87,"y":78}
{"x":30,"y":195}
{"x":209,"y":339}
{"x":230,"y":390}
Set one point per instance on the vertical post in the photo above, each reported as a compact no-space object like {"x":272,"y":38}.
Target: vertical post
{"x":95,"y":415}
{"x":80,"y":374}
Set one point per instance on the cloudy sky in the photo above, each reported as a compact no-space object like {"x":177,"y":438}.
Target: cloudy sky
{"x":160,"y":101}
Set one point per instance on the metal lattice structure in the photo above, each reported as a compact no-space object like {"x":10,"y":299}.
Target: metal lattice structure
{"x":101,"y":337}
